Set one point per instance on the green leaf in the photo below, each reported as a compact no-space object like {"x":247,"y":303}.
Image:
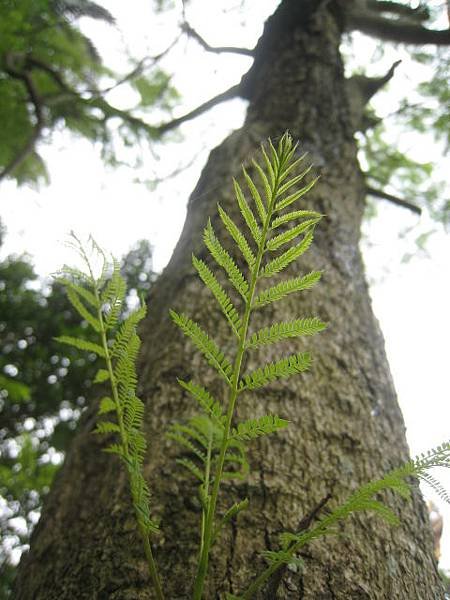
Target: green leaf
{"x":254,"y":428}
{"x":282,"y":331}
{"x":223,"y":259}
{"x":81,"y":344}
{"x":191,"y":467}
{"x":80,"y":290}
{"x":256,"y":196}
{"x":238,"y":237}
{"x":82,"y":310}
{"x":289,"y":286}
{"x":107,"y":427}
{"x":205,"y":399}
{"x":107,"y":405}
{"x":230,"y":513}
{"x":102,"y":375}
{"x":178,"y":437}
{"x":286,"y":186}
{"x":205,"y":344}
{"x":264,"y":181}
{"x":293,"y":216}
{"x":247,"y":212}
{"x":287,"y":236}
{"x":281,"y":262}
{"x":296,"y":363}
{"x":220,"y":295}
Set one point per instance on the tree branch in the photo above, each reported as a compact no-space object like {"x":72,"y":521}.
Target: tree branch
{"x":395,"y":31}
{"x":232,"y":92}
{"x":217,"y":49}
{"x":398,"y":201}
{"x":35,"y":100}
{"x":419,"y":14}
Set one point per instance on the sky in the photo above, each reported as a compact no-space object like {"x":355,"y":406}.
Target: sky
{"x":410,"y":299}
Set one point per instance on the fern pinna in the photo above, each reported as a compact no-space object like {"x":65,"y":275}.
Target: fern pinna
{"x":268,"y":252}
{"x":101,"y":302}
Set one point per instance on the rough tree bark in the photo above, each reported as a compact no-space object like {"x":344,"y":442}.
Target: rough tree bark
{"x":346,"y":425}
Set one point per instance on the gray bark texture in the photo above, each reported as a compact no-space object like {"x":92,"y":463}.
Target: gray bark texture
{"x":346,"y":427}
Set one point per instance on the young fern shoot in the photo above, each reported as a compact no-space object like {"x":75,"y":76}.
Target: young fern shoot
{"x":268,"y":253}
{"x":100,"y":301}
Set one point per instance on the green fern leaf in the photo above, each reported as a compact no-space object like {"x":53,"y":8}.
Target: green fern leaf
{"x":81,"y":344}
{"x":223,"y":259}
{"x":287,"y":236}
{"x":264,"y":181}
{"x":269,"y":167}
{"x":107,"y":427}
{"x":291,"y":166}
{"x":82,"y":310}
{"x":113,"y":296}
{"x":126,"y":330}
{"x":205,"y":399}
{"x":281,"y":262}
{"x":107,"y":405}
{"x":238,"y":237}
{"x":284,"y":288}
{"x":256,"y":197}
{"x":282,"y":331}
{"x":294,"y":216}
{"x":287,"y":186}
{"x":288,"y":200}
{"x":115,"y":449}
{"x":296,"y":363}
{"x":219,"y":294}
{"x":191,"y":467}
{"x":254,"y":428}
{"x":200,"y":338}
{"x":247,"y":213}
{"x":232,"y":512}
{"x":101,"y":376}
{"x":186,"y":443}
{"x":83,"y":292}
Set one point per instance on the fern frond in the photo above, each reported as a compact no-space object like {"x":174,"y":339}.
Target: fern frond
{"x":81,"y":290}
{"x":288,"y":200}
{"x":296,"y":363}
{"x":205,"y":344}
{"x":287,"y":186}
{"x":282,"y":331}
{"x":219,"y":294}
{"x":264,"y":181}
{"x":191,"y":467}
{"x":269,"y":167}
{"x":281,"y":262}
{"x":205,"y":400}
{"x":107,"y":427}
{"x":238,"y":237}
{"x":81,"y":344}
{"x":81,"y":309}
{"x":232,"y":512}
{"x":101,"y":376}
{"x":107,"y":405}
{"x":256,"y":196}
{"x":282,"y":289}
{"x":294,"y":216}
{"x":287,"y":236}
{"x":126,"y":330}
{"x":247,"y":213}
{"x":113,"y":296}
{"x":254,"y":428}
{"x":223,"y":259}
{"x":184,"y":441}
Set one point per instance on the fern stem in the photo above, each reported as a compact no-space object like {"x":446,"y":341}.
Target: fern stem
{"x":152,"y":567}
{"x":204,"y":558}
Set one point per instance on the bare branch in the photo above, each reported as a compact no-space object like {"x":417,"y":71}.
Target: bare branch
{"x":395,"y":30}
{"x":232,"y":92}
{"x":420,"y":13}
{"x":217,"y":49}
{"x":398,"y":201}
{"x":35,"y":100}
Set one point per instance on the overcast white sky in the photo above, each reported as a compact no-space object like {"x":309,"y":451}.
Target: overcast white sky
{"x":411,"y":300}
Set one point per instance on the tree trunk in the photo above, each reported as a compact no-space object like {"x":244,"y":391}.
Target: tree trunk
{"x":346,"y":427}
